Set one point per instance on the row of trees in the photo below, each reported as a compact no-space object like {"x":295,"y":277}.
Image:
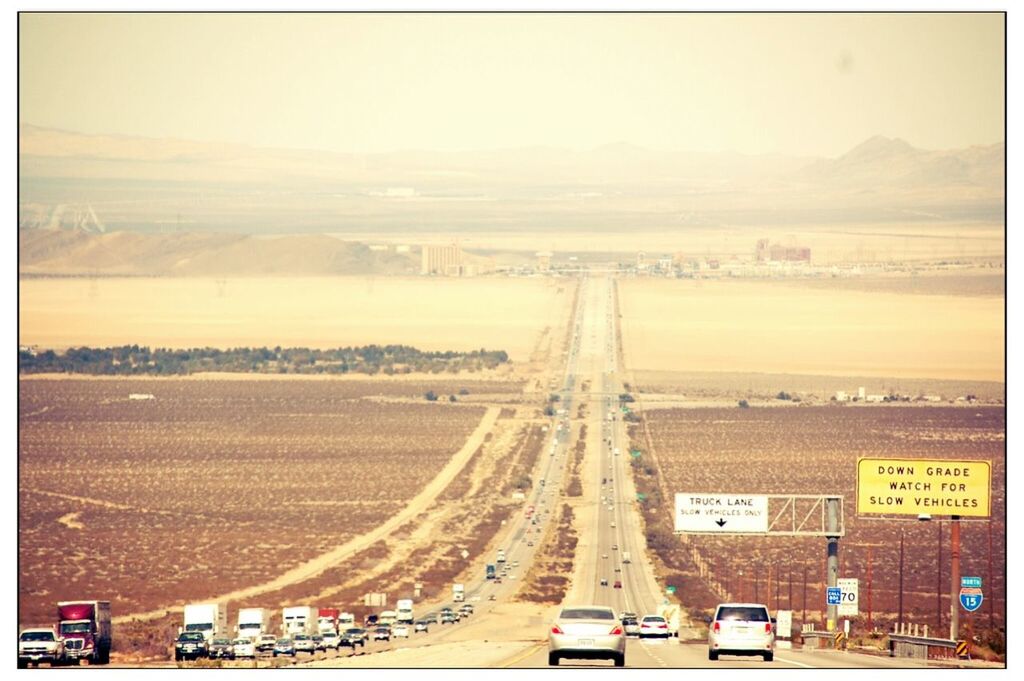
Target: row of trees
{"x":368,"y":359}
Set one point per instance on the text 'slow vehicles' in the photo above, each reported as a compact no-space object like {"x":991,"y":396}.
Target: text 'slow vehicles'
{"x":741,"y":629}
{"x":222,"y":649}
{"x":589,"y":632}
{"x":354,"y":637}
{"x":653,"y":626}
{"x":243,"y":647}
{"x":190,"y":645}
{"x":40,"y":645}
{"x":304,"y":643}
{"x":284,"y":646}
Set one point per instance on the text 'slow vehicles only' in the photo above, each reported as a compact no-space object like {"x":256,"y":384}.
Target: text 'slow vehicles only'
{"x":741,"y":629}
{"x":588,"y":632}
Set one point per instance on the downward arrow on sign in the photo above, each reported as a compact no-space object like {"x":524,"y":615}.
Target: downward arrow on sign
{"x":720,"y":523}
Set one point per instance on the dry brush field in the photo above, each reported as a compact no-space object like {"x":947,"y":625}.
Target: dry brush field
{"x":210,"y":486}
{"x":813,"y":450}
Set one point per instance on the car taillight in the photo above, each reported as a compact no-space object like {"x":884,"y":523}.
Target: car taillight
{"x":767,"y":627}
{"x":716,"y":628}
{"x":556,"y":630}
{"x":663,"y":626}
{"x":617,"y":631}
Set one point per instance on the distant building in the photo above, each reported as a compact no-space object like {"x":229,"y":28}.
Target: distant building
{"x":544,"y":260}
{"x":861,"y":393}
{"x":765,"y":252}
{"x":875,"y":398}
{"x":841,"y":396}
{"x":442,"y":260}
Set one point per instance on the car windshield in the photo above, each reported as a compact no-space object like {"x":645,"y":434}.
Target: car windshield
{"x":221,"y":642}
{"x":284,"y":641}
{"x":301,"y":637}
{"x":653,"y":618}
{"x":189,"y":636}
{"x":241,"y":642}
{"x":37,"y":636}
{"x":587,"y":614}
{"x":742,"y":614}
{"x":76,"y":628}
{"x":354,"y":631}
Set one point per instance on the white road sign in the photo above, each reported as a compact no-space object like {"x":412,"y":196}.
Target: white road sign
{"x":848,"y":603}
{"x":721,"y":513}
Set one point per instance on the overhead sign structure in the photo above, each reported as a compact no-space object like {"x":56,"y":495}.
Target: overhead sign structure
{"x":721,"y":513}
{"x":971,"y":595}
{"x":849,"y":594}
{"x":924,"y":487}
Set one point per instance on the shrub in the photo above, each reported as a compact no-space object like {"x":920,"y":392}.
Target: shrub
{"x":743,"y":404}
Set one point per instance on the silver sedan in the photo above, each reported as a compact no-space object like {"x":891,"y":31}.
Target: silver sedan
{"x":588,"y":632}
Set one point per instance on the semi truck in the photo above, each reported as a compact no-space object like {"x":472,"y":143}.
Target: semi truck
{"x":85,"y":628}
{"x":458,"y":592}
{"x":346,"y":620}
{"x":625,"y":557}
{"x":491,"y":571}
{"x":209,"y":619}
{"x":388,"y":617}
{"x":501,"y":556}
{"x":327,"y":620}
{"x":299,"y":619}
{"x":252,"y":622}
{"x":404,"y":611}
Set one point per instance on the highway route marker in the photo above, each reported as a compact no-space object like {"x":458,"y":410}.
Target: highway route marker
{"x":721,"y":513}
{"x":971,"y":595}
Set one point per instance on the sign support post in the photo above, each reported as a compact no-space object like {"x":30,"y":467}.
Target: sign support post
{"x":832,"y":561}
{"x":954,"y":569}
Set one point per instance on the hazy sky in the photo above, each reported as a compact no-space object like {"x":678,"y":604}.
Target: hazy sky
{"x":807,"y":84}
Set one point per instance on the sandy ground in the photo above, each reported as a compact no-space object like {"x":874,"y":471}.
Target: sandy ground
{"x":430,"y":314}
{"x":416,"y":506}
{"x":685,"y":325}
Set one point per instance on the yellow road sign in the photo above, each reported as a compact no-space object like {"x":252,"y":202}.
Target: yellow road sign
{"x":924,"y":486}
{"x":961,"y":649}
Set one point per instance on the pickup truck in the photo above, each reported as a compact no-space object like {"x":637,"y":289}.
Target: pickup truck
{"x":40,"y":645}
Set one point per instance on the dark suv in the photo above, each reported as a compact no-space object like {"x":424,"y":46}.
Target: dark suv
{"x":190,"y":646}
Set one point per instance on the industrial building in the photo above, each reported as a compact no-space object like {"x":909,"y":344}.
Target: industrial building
{"x":443,"y":260}
{"x":765,"y":252}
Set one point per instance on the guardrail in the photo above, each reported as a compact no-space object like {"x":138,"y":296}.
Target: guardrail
{"x":911,"y":641}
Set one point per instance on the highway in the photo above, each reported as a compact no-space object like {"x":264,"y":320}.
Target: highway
{"x":609,"y":525}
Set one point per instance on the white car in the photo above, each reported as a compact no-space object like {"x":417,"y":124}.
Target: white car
{"x":653,"y":625}
{"x":400,"y":631}
{"x":243,"y":647}
{"x":332,"y":639}
{"x":741,"y":629}
{"x":587,"y":632}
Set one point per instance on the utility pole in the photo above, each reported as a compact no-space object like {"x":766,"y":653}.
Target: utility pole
{"x":899,"y":617}
{"x":991,"y":584}
{"x":803,"y":617}
{"x":938,"y":581}
{"x":832,"y":535}
{"x":954,"y":578}
{"x":789,"y":601}
{"x":871,"y":626}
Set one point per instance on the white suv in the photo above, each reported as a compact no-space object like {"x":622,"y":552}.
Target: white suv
{"x":741,"y":629}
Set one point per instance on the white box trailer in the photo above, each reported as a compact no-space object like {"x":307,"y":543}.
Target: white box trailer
{"x":298,"y":619}
{"x":252,"y":622}
{"x":209,"y":618}
{"x":404,"y":610}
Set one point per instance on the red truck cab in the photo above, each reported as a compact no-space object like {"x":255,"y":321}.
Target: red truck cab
{"x":85,"y":628}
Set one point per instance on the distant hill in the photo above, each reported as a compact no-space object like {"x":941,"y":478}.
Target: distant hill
{"x":76,"y":252}
{"x":109,"y":183}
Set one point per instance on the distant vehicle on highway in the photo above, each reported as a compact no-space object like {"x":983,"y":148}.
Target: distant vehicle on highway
{"x":589,"y":632}
{"x":243,"y":647}
{"x":190,"y":645}
{"x":332,"y":639}
{"x":284,"y":646}
{"x":604,"y":581}
{"x":304,"y":643}
{"x":400,"y":631}
{"x":617,"y":584}
{"x":421,"y":625}
{"x":653,"y":626}
{"x":382,"y":634}
{"x":353,"y":637}
{"x":40,"y":645}
{"x":318,"y":642}
{"x":265,"y":643}
{"x":741,"y":629}
{"x":222,"y":649}
{"x":630,"y":624}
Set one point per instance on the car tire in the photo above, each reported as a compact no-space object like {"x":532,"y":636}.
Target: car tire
{"x":768,"y":657}
{"x":712,"y":655}
{"x":553,"y":659}
{"x":620,"y":660}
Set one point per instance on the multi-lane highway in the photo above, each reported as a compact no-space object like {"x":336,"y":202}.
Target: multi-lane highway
{"x":608,"y":524}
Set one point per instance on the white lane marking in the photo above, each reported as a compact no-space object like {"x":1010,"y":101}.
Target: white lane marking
{"x":798,"y":664}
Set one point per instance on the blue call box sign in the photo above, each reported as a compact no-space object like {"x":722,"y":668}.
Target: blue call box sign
{"x":834,"y":595}
{"x":970,"y":582}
